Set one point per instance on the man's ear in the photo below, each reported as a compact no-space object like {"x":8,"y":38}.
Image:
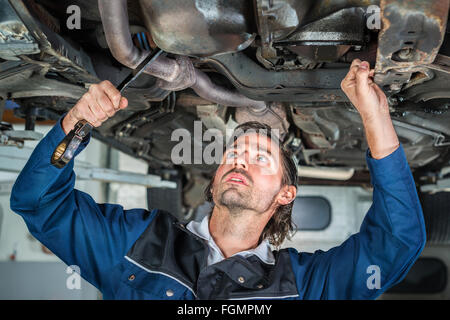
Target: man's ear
{"x":287,"y":195}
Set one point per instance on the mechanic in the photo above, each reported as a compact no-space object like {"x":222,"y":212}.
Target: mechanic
{"x":148,"y":254}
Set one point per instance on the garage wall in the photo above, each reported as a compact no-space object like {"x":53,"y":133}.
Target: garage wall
{"x":27,"y":270}
{"x":128,"y":195}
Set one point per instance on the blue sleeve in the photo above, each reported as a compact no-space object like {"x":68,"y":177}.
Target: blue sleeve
{"x":68,"y":221}
{"x":390,"y":240}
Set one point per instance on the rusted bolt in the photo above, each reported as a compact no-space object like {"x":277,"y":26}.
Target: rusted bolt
{"x":396,"y":87}
{"x":405,"y":54}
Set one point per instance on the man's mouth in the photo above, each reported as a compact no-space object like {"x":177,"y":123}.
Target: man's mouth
{"x":237,"y":179}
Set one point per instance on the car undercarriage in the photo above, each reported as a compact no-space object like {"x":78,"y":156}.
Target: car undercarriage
{"x":225,"y":62}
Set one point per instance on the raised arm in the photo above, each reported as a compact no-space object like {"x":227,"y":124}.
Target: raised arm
{"x":392,"y":235}
{"x":69,"y":222}
{"x":372,"y":105}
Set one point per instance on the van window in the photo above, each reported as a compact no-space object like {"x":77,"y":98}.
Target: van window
{"x":311,"y":213}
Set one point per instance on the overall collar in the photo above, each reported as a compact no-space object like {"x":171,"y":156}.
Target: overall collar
{"x":201,"y":229}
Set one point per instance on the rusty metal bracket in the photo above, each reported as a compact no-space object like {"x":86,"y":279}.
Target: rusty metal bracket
{"x":441,"y":63}
{"x":411,"y":36}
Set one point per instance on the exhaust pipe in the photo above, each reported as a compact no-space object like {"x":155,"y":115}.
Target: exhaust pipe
{"x":326,"y":173}
{"x":206,"y":89}
{"x":173,"y":75}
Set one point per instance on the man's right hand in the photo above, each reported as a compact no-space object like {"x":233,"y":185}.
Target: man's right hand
{"x":97,"y":105}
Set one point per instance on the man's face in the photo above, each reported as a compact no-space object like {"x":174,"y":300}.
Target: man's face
{"x":250,"y":174}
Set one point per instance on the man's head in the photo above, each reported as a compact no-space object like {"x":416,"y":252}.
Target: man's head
{"x":257,"y":174}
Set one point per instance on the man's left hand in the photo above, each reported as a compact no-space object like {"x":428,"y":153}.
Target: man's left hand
{"x":372,"y":105}
{"x":366,"y":96}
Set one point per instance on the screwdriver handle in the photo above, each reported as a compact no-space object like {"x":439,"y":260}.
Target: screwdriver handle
{"x":65,"y":150}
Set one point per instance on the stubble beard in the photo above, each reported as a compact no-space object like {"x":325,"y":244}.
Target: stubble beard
{"x":236,"y":201}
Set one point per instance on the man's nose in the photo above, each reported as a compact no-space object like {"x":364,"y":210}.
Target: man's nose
{"x":241,"y":161}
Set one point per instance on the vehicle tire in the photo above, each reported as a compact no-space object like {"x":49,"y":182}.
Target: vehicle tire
{"x":436,"y":211}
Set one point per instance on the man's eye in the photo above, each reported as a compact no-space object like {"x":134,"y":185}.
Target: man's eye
{"x":231,"y":155}
{"x":261,"y":158}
